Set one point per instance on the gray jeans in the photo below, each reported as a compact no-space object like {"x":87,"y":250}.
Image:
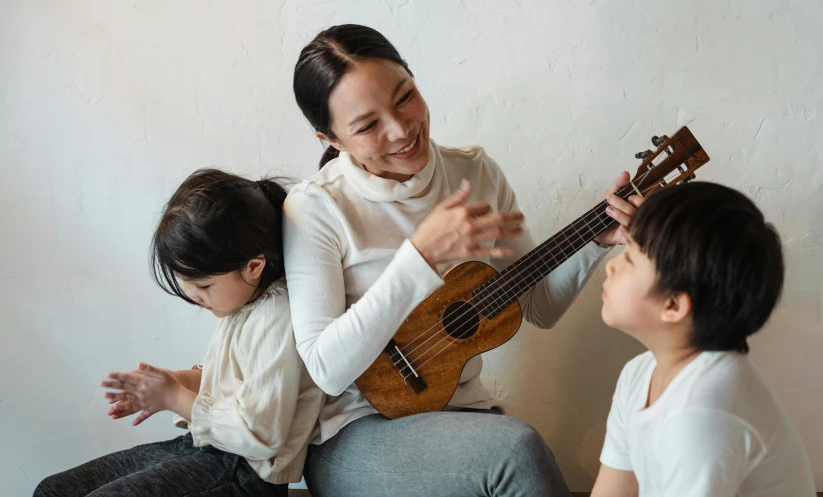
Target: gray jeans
{"x":463,"y":454}
{"x":171,"y":468}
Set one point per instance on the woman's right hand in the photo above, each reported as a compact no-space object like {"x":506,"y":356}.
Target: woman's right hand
{"x":455,"y":230}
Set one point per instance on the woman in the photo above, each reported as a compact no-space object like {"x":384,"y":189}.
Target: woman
{"x":366,"y":240}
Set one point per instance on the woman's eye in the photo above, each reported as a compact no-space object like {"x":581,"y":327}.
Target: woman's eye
{"x":405,"y":97}
{"x":205,"y":287}
{"x":367,"y":128}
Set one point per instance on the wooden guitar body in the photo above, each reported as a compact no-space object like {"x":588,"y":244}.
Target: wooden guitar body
{"x":435,"y":351}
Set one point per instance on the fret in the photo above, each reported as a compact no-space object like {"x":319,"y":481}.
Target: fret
{"x":500,"y":291}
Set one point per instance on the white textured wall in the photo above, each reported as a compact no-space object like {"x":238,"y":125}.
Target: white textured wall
{"x":105,"y":106}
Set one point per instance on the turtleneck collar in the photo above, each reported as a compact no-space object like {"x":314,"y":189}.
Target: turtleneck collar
{"x":419,"y":189}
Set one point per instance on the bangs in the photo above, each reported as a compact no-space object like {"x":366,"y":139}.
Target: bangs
{"x":177,"y":252}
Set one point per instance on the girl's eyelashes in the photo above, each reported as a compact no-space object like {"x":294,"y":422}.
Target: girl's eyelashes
{"x":405,"y":97}
{"x":204,"y":287}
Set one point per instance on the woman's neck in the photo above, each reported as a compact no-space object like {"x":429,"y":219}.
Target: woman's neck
{"x":402,"y":178}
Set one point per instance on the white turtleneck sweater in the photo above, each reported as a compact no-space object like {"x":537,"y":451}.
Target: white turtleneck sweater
{"x":354,"y":276}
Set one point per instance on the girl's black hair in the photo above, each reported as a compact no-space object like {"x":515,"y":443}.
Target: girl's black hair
{"x":214,"y":224}
{"x":325,"y":60}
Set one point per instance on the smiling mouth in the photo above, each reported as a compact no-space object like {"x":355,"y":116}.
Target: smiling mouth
{"x":408,"y":147}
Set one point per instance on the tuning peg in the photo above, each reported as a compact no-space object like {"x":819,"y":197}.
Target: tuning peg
{"x":643,"y":155}
{"x":659,"y":140}
{"x":689,"y":178}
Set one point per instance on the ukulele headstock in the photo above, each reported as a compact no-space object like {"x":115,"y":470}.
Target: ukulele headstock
{"x":674,"y":161}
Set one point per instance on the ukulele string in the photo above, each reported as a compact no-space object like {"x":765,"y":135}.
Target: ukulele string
{"x":512,"y":273}
{"x":518,"y":267}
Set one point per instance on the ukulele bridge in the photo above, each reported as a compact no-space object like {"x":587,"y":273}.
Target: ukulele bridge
{"x":402,"y":364}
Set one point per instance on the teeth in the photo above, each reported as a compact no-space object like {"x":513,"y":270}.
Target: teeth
{"x":411,"y":146}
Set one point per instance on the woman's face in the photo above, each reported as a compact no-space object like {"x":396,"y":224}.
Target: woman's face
{"x":380,"y":118}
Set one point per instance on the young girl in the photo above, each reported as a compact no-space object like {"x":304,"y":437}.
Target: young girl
{"x":251,"y":408}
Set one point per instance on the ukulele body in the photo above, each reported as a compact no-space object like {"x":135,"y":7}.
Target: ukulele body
{"x":436,"y":340}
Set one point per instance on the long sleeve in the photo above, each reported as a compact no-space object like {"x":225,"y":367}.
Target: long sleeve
{"x":254,"y":422}
{"x":545,"y":303}
{"x":338,"y":344}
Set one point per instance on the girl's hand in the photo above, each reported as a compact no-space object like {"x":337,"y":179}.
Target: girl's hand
{"x":619,"y":210}
{"x":146,"y":389}
{"x":455,"y":229}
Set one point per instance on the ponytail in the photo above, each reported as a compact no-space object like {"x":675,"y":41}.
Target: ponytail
{"x":215,"y":223}
{"x":329,"y":154}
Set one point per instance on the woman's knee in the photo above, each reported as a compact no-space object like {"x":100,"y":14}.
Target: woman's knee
{"x":525,"y":444}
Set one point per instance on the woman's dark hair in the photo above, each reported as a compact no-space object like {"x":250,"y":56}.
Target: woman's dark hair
{"x":215,"y":223}
{"x":713,"y":243}
{"x":324,"y":61}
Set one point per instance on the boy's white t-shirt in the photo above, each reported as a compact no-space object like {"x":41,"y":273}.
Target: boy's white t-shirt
{"x":717,"y":430}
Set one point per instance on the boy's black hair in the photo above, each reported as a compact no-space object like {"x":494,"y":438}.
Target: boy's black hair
{"x":215,"y":223}
{"x":713,"y":243}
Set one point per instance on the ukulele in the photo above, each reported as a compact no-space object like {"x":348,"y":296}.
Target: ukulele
{"x":477,"y":308}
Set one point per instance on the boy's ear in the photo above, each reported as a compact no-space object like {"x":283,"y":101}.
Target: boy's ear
{"x":677,"y":308}
{"x":255,"y":267}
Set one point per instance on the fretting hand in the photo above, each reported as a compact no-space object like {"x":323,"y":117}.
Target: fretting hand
{"x":619,"y":210}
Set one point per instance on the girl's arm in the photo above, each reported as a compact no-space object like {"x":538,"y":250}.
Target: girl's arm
{"x":189,"y":378}
{"x":273,"y":397}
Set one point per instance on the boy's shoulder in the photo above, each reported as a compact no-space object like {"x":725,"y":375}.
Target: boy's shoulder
{"x":634,"y":370}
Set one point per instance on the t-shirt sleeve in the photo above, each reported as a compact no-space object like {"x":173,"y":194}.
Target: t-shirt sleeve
{"x":615,"y":453}
{"x":705,"y":453}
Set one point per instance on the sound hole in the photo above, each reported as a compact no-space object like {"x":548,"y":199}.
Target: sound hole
{"x":461,"y":320}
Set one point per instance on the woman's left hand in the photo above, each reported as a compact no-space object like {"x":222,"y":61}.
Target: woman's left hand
{"x":619,"y":210}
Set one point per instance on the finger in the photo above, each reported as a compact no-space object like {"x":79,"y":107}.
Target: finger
{"x":134,"y":377}
{"x":636,"y":200}
{"x":505,"y":219}
{"x":620,"y":181}
{"x":497,"y":233}
{"x":619,"y":216}
{"x":491,"y":252}
{"x":117,"y":385}
{"x":115,"y":397}
{"x":122,"y":409}
{"x":459,"y":196}
{"x":142,"y":417}
{"x":477,"y":210}
{"x":148,"y":369}
{"x":621,"y":205}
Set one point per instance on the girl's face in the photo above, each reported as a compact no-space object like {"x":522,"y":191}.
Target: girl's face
{"x":227,"y":293}
{"x":380,"y":118}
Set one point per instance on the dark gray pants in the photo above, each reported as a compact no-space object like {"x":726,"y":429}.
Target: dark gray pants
{"x":436,"y":454}
{"x":172,"y":468}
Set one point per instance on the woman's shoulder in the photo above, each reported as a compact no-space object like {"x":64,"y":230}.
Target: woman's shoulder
{"x":315,"y":191}
{"x":473,"y":158}
{"x":472,"y":154}
{"x":323,"y":180}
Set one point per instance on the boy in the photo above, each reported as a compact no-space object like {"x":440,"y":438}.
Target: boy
{"x":693,"y":416}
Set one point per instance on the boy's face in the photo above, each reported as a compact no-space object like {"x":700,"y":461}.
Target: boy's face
{"x":629,"y":302}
